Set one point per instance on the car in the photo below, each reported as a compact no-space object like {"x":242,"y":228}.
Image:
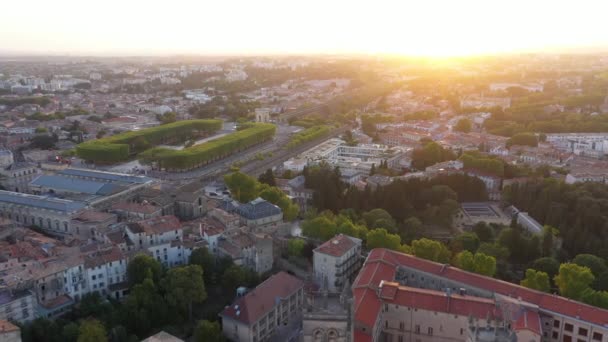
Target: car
{"x":213,"y":194}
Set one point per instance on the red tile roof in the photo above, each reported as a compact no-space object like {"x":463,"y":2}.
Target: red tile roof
{"x":381,"y":265}
{"x":261,"y":300}
{"x":391,"y":292}
{"x":156,"y":225}
{"x":6,"y":326}
{"x":337,"y":246}
{"x":530,"y":320}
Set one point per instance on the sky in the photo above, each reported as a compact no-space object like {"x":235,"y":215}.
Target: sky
{"x":203,"y":27}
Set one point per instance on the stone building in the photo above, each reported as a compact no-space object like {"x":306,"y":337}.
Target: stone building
{"x":262,"y":115}
{"x":398,"y":297}
{"x":257,"y":315}
{"x":190,"y":201}
{"x":336,"y":262}
{"x":53,"y":215}
{"x":327,"y":316}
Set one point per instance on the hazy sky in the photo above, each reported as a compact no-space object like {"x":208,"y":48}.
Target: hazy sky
{"x":413,"y":27}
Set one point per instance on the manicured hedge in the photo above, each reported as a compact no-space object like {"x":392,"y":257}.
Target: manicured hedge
{"x":202,"y":154}
{"x":118,"y":147}
{"x":307,"y":135}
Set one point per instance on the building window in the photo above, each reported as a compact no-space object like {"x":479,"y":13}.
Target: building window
{"x":582,"y":331}
{"x":417,"y":329}
{"x":461,"y":331}
{"x":386,"y":324}
{"x":401,"y":325}
{"x":567,"y":338}
{"x":430,"y":331}
{"x":568,"y":327}
{"x":555,"y":335}
{"x":597,"y":336}
{"x":556,"y":323}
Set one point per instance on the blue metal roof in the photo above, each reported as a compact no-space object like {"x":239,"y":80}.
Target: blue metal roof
{"x":68,"y":184}
{"x":42,"y":202}
{"x":108,"y":176}
{"x":258,"y":208}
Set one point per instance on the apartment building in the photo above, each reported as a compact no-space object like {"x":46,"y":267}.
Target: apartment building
{"x":336,"y":262}
{"x":17,"y":305}
{"x":254,"y":251}
{"x":154,"y":231}
{"x":106,"y":272}
{"x":256,"y":316}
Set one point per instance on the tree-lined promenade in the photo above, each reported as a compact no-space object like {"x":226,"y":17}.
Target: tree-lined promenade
{"x":120,"y":147}
{"x":202,"y":154}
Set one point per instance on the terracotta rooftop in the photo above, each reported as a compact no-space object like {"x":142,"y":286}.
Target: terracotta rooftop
{"x":6,"y":326}
{"x":337,"y":246}
{"x":261,"y":300}
{"x":93,"y":216}
{"x":381,"y":265}
{"x":156,"y":225}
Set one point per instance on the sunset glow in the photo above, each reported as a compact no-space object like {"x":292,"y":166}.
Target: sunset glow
{"x":434,"y":28}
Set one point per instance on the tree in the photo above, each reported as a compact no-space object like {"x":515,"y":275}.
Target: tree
{"x":141,"y":267}
{"x":484,"y":232}
{"x":547,"y":265}
{"x":243,"y":187}
{"x":463,"y":125}
{"x":477,"y":263}
{"x":485,"y":264}
{"x":207,"y":331}
{"x":547,"y":241}
{"x":465,"y":241}
{"x":185,"y":286}
{"x":432,"y":153}
{"x":536,"y":280}
{"x":168,"y":117}
{"x":91,"y":330}
{"x":597,"y":266}
{"x":44,"y":142}
{"x":380,"y":238}
{"x":70,"y":332}
{"x":205,"y":260}
{"x":145,"y":307}
{"x":380,"y":218}
{"x":412,"y":229}
{"x":295,"y":247}
{"x":267,"y":178}
{"x":233,"y":278}
{"x":321,"y":227}
{"x":431,"y":250}
{"x":524,"y":139}
{"x":572,"y":280}
{"x":493,"y":249}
